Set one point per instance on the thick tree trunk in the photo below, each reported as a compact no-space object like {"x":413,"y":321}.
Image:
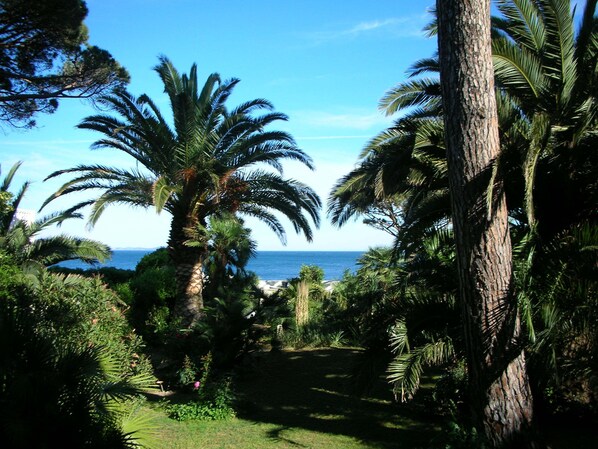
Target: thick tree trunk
{"x":188,"y":262}
{"x":499,"y":389}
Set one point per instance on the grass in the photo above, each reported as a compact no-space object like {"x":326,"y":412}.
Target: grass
{"x":300,"y":399}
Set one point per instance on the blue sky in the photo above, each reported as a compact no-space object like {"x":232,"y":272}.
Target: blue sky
{"x":325,"y":64}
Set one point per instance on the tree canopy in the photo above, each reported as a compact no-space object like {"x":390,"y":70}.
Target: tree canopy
{"x":45,"y":56}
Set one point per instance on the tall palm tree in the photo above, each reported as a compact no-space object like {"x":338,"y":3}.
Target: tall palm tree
{"x":546,"y":81}
{"x":23,"y":242}
{"x":546,"y":75}
{"x":211,"y":161}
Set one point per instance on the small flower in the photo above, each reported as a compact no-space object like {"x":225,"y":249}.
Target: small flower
{"x":196,"y":385}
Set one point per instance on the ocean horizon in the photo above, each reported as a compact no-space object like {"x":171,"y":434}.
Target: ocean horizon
{"x":268,"y":265}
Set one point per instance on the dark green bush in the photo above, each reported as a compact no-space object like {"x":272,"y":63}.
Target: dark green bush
{"x":156,"y":259}
{"x":68,"y":366}
{"x":153,"y":295}
{"x":150,"y":294}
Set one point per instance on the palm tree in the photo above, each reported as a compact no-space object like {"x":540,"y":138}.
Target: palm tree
{"x":229,"y":249}
{"x":402,"y":172}
{"x":229,"y":244}
{"x":546,"y":82}
{"x":546,"y":75}
{"x":547,"y":118}
{"x":210,"y":162}
{"x":21,"y":239}
{"x":428,"y":328}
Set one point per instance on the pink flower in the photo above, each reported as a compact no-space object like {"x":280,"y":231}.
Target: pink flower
{"x":196,"y":385}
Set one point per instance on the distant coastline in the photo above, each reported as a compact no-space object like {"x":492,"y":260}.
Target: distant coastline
{"x":268,"y":265}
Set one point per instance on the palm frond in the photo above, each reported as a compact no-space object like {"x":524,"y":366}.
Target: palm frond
{"x":423,"y":92}
{"x":406,"y":369}
{"x":518,"y":69}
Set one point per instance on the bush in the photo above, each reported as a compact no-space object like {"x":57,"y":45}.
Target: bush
{"x":215,"y":394}
{"x":151,"y":295}
{"x":312,"y":335}
{"x":83,"y":312}
{"x":66,"y":363}
{"x":110,"y":276}
{"x":215,"y":402}
{"x":156,"y":259}
{"x":312,"y":274}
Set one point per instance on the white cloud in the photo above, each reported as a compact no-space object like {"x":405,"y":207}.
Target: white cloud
{"x":333,"y":137}
{"x":396,"y":27}
{"x":374,"y":25}
{"x":349,"y":120}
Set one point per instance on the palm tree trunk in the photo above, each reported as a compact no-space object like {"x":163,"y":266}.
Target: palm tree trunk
{"x":188,"y":262}
{"x":499,"y":388}
{"x":302,"y":304}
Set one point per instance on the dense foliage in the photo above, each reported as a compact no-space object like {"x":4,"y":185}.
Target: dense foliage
{"x":554,"y":161}
{"x":76,"y":349}
{"x":546,"y":76}
{"x":70,"y":364}
{"x":45,"y":57}
{"x":22,"y":239}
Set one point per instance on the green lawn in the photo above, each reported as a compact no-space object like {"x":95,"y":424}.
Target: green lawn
{"x":299,"y":399}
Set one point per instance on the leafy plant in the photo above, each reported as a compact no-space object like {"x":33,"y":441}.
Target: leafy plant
{"x":55,"y":390}
{"x":80,"y":312}
{"x":215,"y":396}
{"x":22,"y":239}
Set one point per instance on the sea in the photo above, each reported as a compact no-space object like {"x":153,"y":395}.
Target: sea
{"x":268,"y":265}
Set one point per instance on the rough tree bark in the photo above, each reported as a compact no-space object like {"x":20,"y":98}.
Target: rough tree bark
{"x":499,"y":389}
{"x":188,"y":262}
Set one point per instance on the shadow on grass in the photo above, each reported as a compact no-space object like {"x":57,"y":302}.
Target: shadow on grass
{"x":309,"y":389}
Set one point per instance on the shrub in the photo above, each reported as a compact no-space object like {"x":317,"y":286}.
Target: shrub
{"x":215,"y":402}
{"x":311,"y":274}
{"x":81,"y":312}
{"x":215,"y":396}
{"x":153,"y":296}
{"x":152,"y":292}
{"x":156,"y":259}
{"x":313,"y":335}
{"x":60,"y":385}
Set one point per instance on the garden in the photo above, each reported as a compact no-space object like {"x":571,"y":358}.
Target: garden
{"x":187,"y":351}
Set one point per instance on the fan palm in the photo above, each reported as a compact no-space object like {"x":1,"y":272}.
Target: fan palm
{"x":229,"y":243}
{"x":21,"y":239}
{"x":229,"y":249}
{"x":211,"y":161}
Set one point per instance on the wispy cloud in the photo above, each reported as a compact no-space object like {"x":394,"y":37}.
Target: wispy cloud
{"x":375,"y":25}
{"x":350,"y":120}
{"x":393,"y":26}
{"x":332,"y":137}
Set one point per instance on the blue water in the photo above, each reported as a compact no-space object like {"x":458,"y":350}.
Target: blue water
{"x":268,"y":265}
